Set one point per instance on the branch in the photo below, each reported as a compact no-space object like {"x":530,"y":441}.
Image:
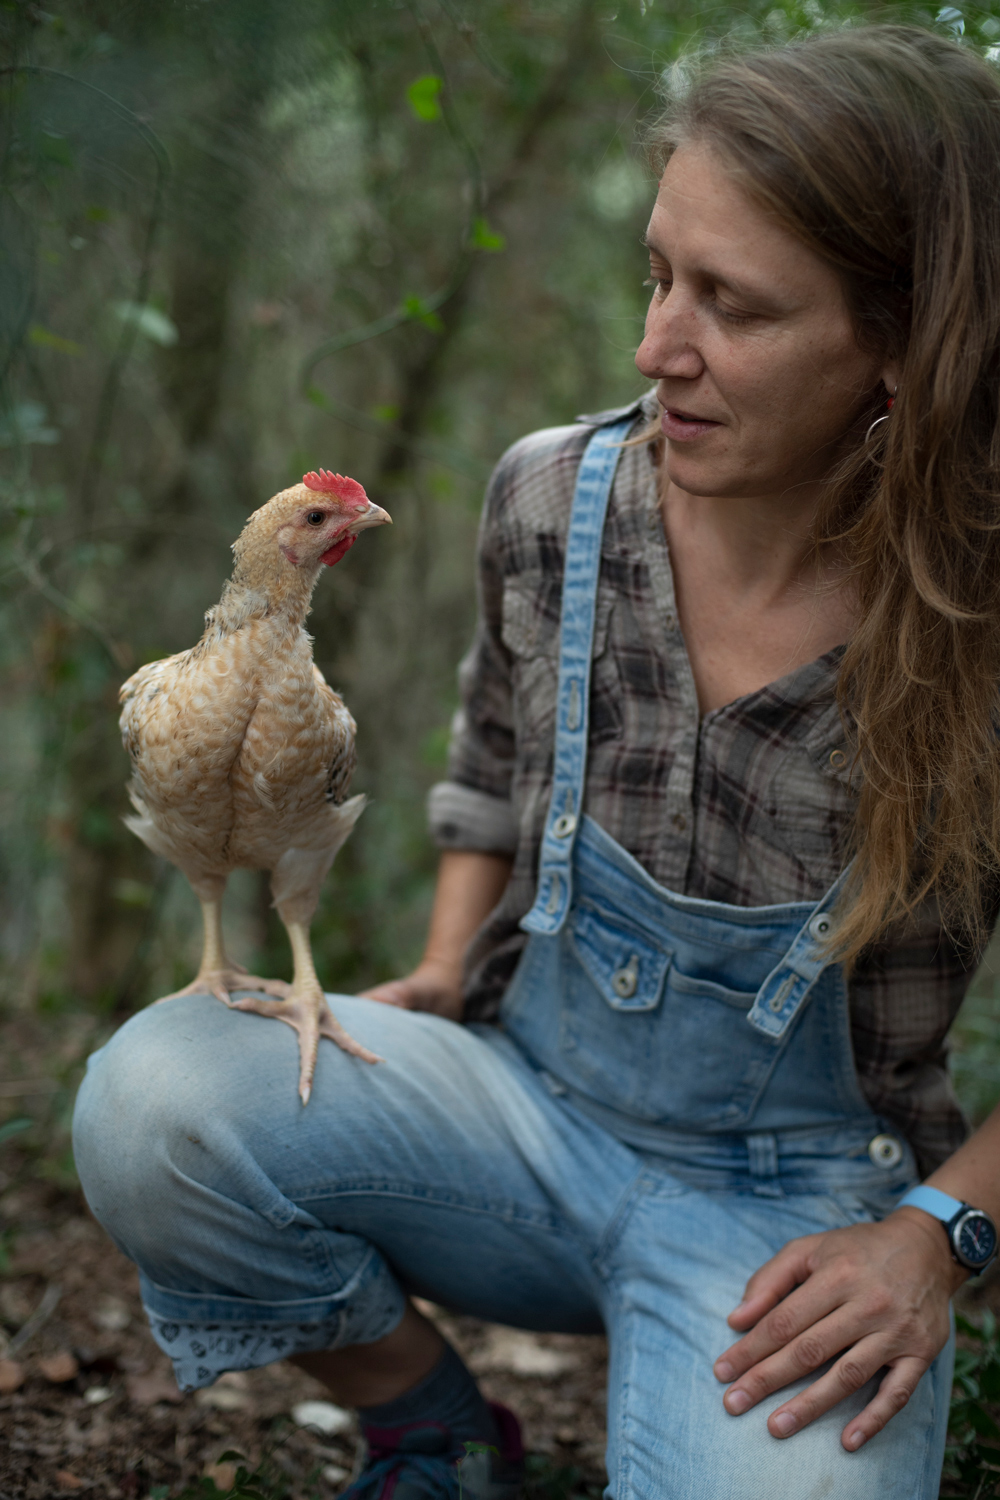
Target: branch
{"x":468,"y":33}
{"x":40,"y":1316}
{"x":94,"y":461}
{"x":463,"y":264}
{"x":28,"y":566}
{"x":450,"y":458}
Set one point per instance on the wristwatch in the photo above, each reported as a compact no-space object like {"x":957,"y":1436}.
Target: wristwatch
{"x":971,"y":1232}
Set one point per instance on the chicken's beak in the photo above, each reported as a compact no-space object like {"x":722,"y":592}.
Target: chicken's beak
{"x":373,"y":516}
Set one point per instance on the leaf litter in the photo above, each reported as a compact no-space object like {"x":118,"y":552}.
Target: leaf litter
{"x":89,"y":1405}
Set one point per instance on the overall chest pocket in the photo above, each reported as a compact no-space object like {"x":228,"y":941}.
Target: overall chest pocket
{"x":644,"y":1030}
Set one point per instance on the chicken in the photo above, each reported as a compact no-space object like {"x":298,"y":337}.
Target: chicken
{"x":242,"y":755}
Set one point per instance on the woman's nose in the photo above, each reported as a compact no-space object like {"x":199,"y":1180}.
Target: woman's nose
{"x":668,"y":347}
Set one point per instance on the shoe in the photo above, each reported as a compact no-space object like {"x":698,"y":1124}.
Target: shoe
{"x":423,"y":1461}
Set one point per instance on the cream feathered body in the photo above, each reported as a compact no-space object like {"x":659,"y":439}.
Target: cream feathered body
{"x":242,"y":754}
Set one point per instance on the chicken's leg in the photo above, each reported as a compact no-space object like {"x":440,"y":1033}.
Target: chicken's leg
{"x":306,"y":1011}
{"x":217,"y":974}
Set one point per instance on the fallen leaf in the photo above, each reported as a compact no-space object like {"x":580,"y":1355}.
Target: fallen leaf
{"x":222,"y":1398}
{"x":323,"y":1416}
{"x":11,"y":1376}
{"x":58,"y":1368}
{"x":96,"y":1394}
{"x":68,"y":1481}
{"x":223,"y":1476}
{"x":146,"y":1390}
{"x":523,"y":1354}
{"x":334,"y":1473}
{"x":111,"y":1314}
{"x":15,"y":1304}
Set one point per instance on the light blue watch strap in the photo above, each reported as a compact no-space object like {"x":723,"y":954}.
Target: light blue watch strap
{"x":931,"y":1201}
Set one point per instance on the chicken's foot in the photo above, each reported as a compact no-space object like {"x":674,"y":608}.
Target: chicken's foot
{"x":217,"y":974}
{"x":306,"y":1011}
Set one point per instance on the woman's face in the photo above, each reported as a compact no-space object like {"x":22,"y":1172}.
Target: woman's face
{"x":749,"y":340}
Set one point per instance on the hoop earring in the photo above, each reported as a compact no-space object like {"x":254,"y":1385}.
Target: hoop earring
{"x":879,"y":420}
{"x":877,"y":423}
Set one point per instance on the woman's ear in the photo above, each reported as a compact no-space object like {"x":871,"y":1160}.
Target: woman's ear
{"x":890,"y":377}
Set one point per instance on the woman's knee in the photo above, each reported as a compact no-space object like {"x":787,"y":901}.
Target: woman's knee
{"x":137,"y":1103}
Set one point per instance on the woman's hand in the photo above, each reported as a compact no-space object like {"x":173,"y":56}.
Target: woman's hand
{"x":469,"y":885}
{"x":868,"y":1296}
{"x":433,"y":985}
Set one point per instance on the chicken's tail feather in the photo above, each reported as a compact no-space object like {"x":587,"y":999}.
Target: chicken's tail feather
{"x":298,"y":875}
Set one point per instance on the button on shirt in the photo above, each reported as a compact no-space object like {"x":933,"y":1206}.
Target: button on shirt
{"x":750,"y":804}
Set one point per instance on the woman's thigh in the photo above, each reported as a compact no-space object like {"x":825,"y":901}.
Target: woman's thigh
{"x":449,"y":1157}
{"x":678,"y":1270}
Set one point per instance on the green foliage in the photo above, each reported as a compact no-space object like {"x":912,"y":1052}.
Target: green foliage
{"x":424,"y":96}
{"x":484,"y":238}
{"x":268,"y":1481}
{"x":545,"y":1480}
{"x":14,"y":1127}
{"x":7,"y":1238}
{"x":265,"y":1481}
{"x":973,"y":1455}
{"x":231,"y":250}
{"x":975,"y":1040}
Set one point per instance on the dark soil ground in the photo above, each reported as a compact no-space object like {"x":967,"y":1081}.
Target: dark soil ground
{"x":98,"y":1411}
{"x":88,"y":1404}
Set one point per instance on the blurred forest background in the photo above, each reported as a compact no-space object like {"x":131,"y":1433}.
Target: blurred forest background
{"x":240,"y":239}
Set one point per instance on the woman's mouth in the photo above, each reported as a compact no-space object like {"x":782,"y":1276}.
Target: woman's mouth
{"x":682,"y":426}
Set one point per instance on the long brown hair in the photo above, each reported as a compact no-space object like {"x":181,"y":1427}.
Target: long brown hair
{"x":879,"y":147}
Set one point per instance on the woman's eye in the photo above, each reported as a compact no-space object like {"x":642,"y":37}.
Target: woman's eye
{"x":661,"y":284}
{"x":728,"y":315}
{"x":316,"y":517}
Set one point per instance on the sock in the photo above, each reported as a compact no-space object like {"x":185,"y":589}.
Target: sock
{"x":449,"y":1394}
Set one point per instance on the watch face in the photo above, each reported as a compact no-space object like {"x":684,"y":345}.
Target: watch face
{"x":975,"y":1239}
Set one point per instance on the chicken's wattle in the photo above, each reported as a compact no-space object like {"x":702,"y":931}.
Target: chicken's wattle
{"x":336,"y":552}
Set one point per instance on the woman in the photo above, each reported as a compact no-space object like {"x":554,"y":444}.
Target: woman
{"x":720,"y":841}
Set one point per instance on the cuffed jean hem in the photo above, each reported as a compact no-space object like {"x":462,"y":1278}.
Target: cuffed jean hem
{"x":454,"y":1171}
{"x":206,"y":1335}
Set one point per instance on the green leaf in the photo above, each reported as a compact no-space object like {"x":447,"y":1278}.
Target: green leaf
{"x":27,"y":422}
{"x":969,"y":1329}
{"x":14,"y":1127}
{"x":231,"y":1456}
{"x":423,"y":95}
{"x":159,"y":1492}
{"x":316,"y":396}
{"x":989,"y":1377}
{"x":43,"y":339}
{"x":485,"y":238}
{"x":981,"y":1421}
{"x":56,"y":148}
{"x":417,"y":309}
{"x":149,"y":321}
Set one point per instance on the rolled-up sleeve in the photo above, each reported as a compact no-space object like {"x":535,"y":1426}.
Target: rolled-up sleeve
{"x":472,"y":809}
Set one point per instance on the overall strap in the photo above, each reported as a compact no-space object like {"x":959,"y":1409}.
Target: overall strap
{"x":788,"y":986}
{"x":576,"y":640}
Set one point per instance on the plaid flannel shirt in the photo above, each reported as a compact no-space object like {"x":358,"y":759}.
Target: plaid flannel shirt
{"x":750,"y":804}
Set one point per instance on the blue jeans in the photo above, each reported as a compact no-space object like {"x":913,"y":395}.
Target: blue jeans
{"x":457,"y":1171}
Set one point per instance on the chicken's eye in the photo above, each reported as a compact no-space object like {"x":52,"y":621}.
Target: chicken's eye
{"x":316,"y":517}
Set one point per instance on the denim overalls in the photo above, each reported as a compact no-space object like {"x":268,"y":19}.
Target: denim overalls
{"x":670,"y":1100}
{"x":657,"y":1011}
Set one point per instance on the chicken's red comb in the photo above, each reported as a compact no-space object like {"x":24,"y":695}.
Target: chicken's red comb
{"x":348,"y":490}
